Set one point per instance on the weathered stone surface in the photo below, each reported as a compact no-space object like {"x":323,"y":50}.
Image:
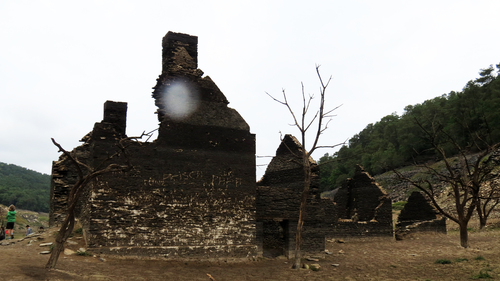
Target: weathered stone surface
{"x":69,"y":252}
{"x":315,"y":267}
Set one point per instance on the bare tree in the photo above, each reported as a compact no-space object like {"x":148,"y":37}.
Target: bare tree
{"x":86,"y":175}
{"x":489,"y":194}
{"x":464,"y":175}
{"x":320,"y":120}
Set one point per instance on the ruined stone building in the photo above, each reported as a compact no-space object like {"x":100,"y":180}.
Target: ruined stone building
{"x":191,"y":192}
{"x":278,"y":200}
{"x":363,"y":207}
{"x":419,"y":215}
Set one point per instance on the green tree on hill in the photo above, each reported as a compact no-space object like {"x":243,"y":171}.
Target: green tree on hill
{"x":24,"y":188}
{"x":396,"y":141}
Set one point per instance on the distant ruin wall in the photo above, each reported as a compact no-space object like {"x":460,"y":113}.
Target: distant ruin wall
{"x":363,"y":207}
{"x":419,"y":215}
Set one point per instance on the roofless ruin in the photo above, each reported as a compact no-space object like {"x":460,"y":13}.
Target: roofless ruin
{"x":192,"y":192}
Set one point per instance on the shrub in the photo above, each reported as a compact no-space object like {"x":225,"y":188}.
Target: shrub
{"x":483,"y":274}
{"x":79,"y":253}
{"x":479,"y":258}
{"x":398,"y":205}
{"x":443,"y":261}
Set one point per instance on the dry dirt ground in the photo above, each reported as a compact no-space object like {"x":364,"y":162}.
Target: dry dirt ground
{"x":357,"y":259}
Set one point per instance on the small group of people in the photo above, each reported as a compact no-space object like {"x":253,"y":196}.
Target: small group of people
{"x":8,"y":232}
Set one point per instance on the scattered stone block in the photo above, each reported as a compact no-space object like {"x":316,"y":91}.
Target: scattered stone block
{"x":315,"y":267}
{"x":69,"y":252}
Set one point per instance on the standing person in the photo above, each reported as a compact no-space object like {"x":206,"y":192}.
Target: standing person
{"x":11,"y":219}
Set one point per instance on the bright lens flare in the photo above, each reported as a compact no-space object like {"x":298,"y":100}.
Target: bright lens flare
{"x":180,"y":99}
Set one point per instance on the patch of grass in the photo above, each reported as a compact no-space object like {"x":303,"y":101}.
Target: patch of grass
{"x":461,"y":259}
{"x":479,"y":258}
{"x":483,"y":274}
{"x":78,"y":253}
{"x":443,"y":261}
{"x":398,"y":205}
{"x":43,"y":218}
{"x":20,"y":223}
{"x":79,"y":230}
{"x":470,"y":229}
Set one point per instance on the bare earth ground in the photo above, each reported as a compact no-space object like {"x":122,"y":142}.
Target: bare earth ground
{"x":358,"y":259}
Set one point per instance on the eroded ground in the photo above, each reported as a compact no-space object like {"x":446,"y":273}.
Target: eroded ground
{"x":357,"y":259}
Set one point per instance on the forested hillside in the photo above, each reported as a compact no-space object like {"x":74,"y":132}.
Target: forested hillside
{"x":471,"y":117}
{"x":26,"y":189}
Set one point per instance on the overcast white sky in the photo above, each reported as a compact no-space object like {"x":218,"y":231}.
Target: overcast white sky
{"x":61,"y":60}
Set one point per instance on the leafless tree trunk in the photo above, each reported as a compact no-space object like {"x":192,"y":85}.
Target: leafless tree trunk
{"x":83,"y":180}
{"x":489,"y":198}
{"x":322,"y":118}
{"x":466,"y":180}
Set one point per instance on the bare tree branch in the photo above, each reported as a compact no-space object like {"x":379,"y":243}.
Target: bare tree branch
{"x":464,"y":174}
{"x":303,"y":125}
{"x":84,"y":179}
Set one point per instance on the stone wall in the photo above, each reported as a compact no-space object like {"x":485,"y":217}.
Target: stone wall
{"x":363,"y":207}
{"x":278,"y":202}
{"x":191,"y":193}
{"x":419,"y":215}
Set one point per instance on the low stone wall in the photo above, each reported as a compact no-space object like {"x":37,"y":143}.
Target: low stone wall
{"x":349,"y":228}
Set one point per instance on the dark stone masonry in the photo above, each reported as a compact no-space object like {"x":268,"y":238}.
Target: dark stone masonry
{"x":191,"y":192}
{"x":278,"y":200}
{"x":363,"y":207}
{"x":418,"y":215}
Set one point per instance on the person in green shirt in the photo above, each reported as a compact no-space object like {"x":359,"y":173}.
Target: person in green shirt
{"x":11,"y":219}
